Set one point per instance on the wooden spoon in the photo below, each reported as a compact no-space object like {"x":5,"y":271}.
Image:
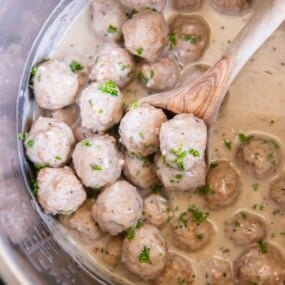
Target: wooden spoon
{"x":204,"y":96}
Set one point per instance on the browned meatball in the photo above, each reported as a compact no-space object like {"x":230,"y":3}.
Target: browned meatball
{"x":218,"y":272}
{"x":277,"y":192}
{"x":245,"y":228}
{"x":177,"y":271}
{"x":223,"y":182}
{"x":260,"y":264}
{"x":189,"y":38}
{"x":191,"y":230}
{"x":259,"y":157}
{"x":231,"y":6}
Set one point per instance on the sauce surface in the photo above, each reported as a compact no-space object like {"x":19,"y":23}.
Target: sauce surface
{"x":254,"y":105}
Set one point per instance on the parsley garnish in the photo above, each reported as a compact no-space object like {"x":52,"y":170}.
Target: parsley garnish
{"x":134,"y":105}
{"x":96,"y":167}
{"x":58,"y":158}
{"x":213,"y":165}
{"x":172,"y":40}
{"x":109,"y":87}
{"x":197,"y":215}
{"x":181,"y":281}
{"x":112,"y":29}
{"x":194,"y":152}
{"x":262,"y":247}
{"x":156,"y":188}
{"x":151,"y":9}
{"x":30,"y":143}
{"x":244,"y":138}
{"x":34,"y":70}
{"x":131,"y":232}
{"x":199,"y":236}
{"x":180,"y":154}
{"x":139,"y":51}
{"x":255,"y":186}
{"x":270,"y":158}
{"x":190,"y":38}
{"x":144,"y":256}
{"x":75,"y":66}
{"x":206,"y":189}
{"x":86,"y":143}
{"x":182,"y":219}
{"x":228,"y":144}
{"x":22,"y":136}
{"x":35,"y":188}
{"x":125,"y":66}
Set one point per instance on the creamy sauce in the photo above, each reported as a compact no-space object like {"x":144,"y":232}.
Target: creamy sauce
{"x":255,"y":104}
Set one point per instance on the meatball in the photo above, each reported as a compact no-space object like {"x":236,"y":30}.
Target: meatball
{"x":113,"y":63}
{"x":82,"y":222}
{"x":177,"y":271}
{"x":107,"y":18}
{"x":218,"y":271}
{"x":277,"y":192}
{"x":259,"y":157}
{"x":183,"y":141}
{"x":117,"y":208}
{"x":260,"y":264}
{"x":245,"y":228}
{"x":60,"y":192}
{"x":159,"y":76}
{"x":177,"y":180}
{"x":146,"y":254}
{"x":192,"y":4}
{"x":111,"y":251}
{"x":99,"y":109}
{"x":55,"y":85}
{"x":69,"y":115}
{"x":158,"y":5}
{"x":191,"y":230}
{"x":156,"y":210}
{"x":97,"y":161}
{"x":223,"y":182}
{"x":189,"y":38}
{"x":138,"y":134}
{"x":140,"y":171}
{"x":49,"y":142}
{"x":231,"y":6}
{"x":146,"y":34}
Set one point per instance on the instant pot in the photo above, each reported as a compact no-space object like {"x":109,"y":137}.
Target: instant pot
{"x":29,"y":253}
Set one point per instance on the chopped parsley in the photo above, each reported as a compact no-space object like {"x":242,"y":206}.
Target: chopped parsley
{"x":109,"y":87}
{"x":156,"y":188}
{"x":180,"y":153}
{"x":96,"y":167}
{"x":228,"y":144}
{"x":66,"y":212}
{"x":194,"y":152}
{"x":182,"y":218}
{"x":139,"y":51}
{"x":258,"y":207}
{"x":34,"y":70}
{"x":35,"y":188}
{"x":172,"y":40}
{"x":244,"y":138}
{"x":144,"y":78}
{"x":112,"y":29}
{"x":100,"y":111}
{"x":141,"y":135}
{"x":58,"y":158}
{"x":134,"y":105}
{"x":270,"y":158}
{"x":262,"y":246}
{"x":213,"y":165}
{"x":75,"y":66}
{"x":144,"y":256}
{"x":274,"y":144}
{"x":86,"y":143}
{"x":255,"y":186}
{"x":199,"y":236}
{"x":243,"y":215}
{"x":205,"y":190}
{"x":190,"y":38}
{"x":237,"y":224}
{"x":197,"y":215}
{"x":151,"y":9}
{"x":181,"y":281}
{"x":22,"y":136}
{"x":131,"y":232}
{"x":30,"y":143}
{"x":125,"y":66}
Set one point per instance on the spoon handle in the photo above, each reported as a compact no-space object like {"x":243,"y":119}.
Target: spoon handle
{"x":204,"y":96}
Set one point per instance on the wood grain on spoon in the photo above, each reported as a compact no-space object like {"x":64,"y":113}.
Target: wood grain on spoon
{"x":205,"y":96}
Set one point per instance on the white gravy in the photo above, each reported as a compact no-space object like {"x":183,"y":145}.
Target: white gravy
{"x":255,"y":99}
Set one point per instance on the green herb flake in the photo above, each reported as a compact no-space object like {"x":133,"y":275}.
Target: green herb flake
{"x":194,"y":152}
{"x":125,"y":66}
{"x":144,"y":256}
{"x":141,"y":77}
{"x":58,"y":158}
{"x":112,"y":29}
{"x":190,"y":38}
{"x":255,"y":187}
{"x":213,"y":165}
{"x":151,"y":9}
{"x":66,"y":212}
{"x":86,"y":143}
{"x":139,"y":51}
{"x":205,"y":190}
{"x":270,"y":158}
{"x":131,"y":233}
{"x":199,"y":236}
{"x":156,"y":188}
{"x":110,"y":88}
{"x":75,"y":66}
{"x":180,"y":153}
{"x":262,"y":246}
{"x":274,"y":144}
{"x":100,"y":111}
{"x":244,"y":138}
{"x":228,"y":144}
{"x":22,"y":136}
{"x":134,"y":105}
{"x":172,"y":40}
{"x":35,"y":188}
{"x":182,"y":219}
{"x":141,"y":135}
{"x":258,"y":207}
{"x":179,"y":177}
{"x":96,"y":167}
{"x":30,"y":143}
{"x":197,"y":215}
{"x":243,"y":215}
{"x":237,"y":224}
